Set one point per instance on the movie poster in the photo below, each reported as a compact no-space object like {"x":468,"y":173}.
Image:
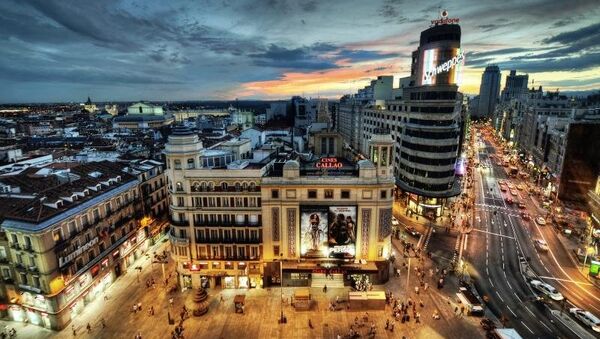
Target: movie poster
{"x":313,"y":232}
{"x":341,"y":231}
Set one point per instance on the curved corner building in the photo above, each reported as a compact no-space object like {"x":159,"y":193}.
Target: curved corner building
{"x":430,"y":142}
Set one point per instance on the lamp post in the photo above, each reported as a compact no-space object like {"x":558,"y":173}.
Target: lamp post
{"x":588,"y":250}
{"x":282,"y":317}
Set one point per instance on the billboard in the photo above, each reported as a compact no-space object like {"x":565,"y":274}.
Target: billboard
{"x":442,"y":66}
{"x":313,"y":231}
{"x":328,"y":232}
{"x":341,"y":233}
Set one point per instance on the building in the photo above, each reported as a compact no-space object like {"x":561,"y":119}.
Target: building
{"x":430,"y":140}
{"x":71,"y":233}
{"x":243,"y":119}
{"x":143,"y":116}
{"x":216,"y":216}
{"x":89,"y":106}
{"x":276,"y":110}
{"x":515,"y":87}
{"x":489,"y":91}
{"x":228,"y":230}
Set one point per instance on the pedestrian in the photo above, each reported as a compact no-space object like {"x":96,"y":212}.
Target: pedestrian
{"x":337,"y":299}
{"x":102,"y":322}
{"x":325,"y":289}
{"x":221,"y":298}
{"x":171,"y":301}
{"x":135,"y":307}
{"x":72,"y":328}
{"x":139,"y":306}
{"x":310,"y":324}
{"x":151,"y":310}
{"x":387,"y":324}
{"x":89,"y":328}
{"x":138,"y":335}
{"x":392,"y":326}
{"x":417,"y":289}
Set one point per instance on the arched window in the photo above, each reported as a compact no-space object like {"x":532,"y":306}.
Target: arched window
{"x":211,"y":186}
{"x":237,"y":186}
{"x":245,"y":186}
{"x":196,"y":187}
{"x":179,"y":186}
{"x":224,"y":186}
{"x":203,"y":186}
{"x":252,"y":187}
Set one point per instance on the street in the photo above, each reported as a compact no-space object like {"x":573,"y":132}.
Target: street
{"x":511,"y":259}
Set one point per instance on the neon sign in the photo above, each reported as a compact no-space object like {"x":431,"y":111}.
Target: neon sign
{"x":444,"y":20}
{"x":329,"y":163}
{"x":445,"y":67}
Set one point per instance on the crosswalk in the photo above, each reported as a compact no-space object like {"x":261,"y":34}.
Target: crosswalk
{"x":500,"y":209}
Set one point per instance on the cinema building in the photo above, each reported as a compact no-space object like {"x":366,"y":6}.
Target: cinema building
{"x":240,"y":224}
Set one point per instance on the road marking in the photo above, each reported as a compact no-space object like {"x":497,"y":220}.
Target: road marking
{"x":491,"y":283}
{"x":515,"y":293}
{"x":526,"y":327}
{"x":509,"y":285}
{"x":492,"y":233}
{"x":568,"y":280}
{"x":549,"y":329}
{"x":511,"y":311}
{"x":528,"y":310}
{"x":487,"y":271}
{"x":499,"y":297}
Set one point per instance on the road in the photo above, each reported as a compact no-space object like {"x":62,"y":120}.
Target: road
{"x":499,"y":239}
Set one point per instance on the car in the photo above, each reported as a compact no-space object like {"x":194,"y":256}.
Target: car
{"x":501,"y":182}
{"x":521,"y":187}
{"x":525,"y":216}
{"x":513,"y":192}
{"x":503,"y":188}
{"x":586,"y":317}
{"x":413,"y":232}
{"x":541,"y":221}
{"x":541,"y":245}
{"x":522,"y":205}
{"x":547,"y":289}
{"x":511,"y":185}
{"x":395,"y":222}
{"x":499,"y":163}
{"x":509,"y":200}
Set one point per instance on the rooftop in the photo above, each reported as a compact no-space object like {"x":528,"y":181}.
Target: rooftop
{"x":38,"y":194}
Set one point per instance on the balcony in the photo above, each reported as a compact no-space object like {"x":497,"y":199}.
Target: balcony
{"x":14,"y":245}
{"x":180,"y":223}
{"x":175,"y":240}
{"x":33,"y":269}
{"x":20,"y":267}
{"x":226,"y":224}
{"x":228,"y":241}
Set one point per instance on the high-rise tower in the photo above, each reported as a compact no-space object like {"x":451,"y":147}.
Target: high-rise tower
{"x":489,"y":91}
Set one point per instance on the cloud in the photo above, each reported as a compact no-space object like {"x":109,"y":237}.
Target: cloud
{"x":569,"y":63}
{"x":584,"y":33}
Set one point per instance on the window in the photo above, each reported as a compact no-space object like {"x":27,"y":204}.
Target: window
{"x":190,"y":163}
{"x":57,"y":235}
{"x":23,"y":278}
{"x":177,"y":164}
{"x":312,"y":194}
{"x":27,"y":242}
{"x":275,"y":194}
{"x":328,"y":194}
{"x":180,"y":202}
{"x":179,"y":187}
{"x":224,"y":186}
{"x":345,"y":194}
{"x":383,"y":194}
{"x":276,"y":251}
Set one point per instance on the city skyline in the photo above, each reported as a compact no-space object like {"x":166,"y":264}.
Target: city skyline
{"x":128,"y":50}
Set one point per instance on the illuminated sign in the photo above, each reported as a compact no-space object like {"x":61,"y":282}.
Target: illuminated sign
{"x":444,"y":20}
{"x":445,"y":67}
{"x":329,"y":163}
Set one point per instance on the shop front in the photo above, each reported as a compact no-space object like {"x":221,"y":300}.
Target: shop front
{"x":431,"y":208}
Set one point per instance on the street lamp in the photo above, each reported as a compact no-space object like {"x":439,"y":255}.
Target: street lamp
{"x":282,"y":318}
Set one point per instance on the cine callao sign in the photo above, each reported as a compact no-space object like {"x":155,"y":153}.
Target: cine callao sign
{"x":329,"y":163}
{"x":445,"y":66}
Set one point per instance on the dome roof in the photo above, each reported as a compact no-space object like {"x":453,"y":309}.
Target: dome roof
{"x":181,"y":130}
{"x":291,"y":164}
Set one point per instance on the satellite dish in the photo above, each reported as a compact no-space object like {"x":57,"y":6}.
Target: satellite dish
{"x":444,"y":14}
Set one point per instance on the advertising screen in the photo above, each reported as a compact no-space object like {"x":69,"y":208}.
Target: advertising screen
{"x":442,"y":66}
{"x":313,"y":231}
{"x":341,"y":233}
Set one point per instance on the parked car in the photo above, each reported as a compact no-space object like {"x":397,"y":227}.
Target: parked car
{"x":547,"y":289}
{"x":541,"y":221}
{"x":502,"y":182}
{"x":511,"y":186}
{"x":413,"y":232}
{"x":525,"y":216}
{"x":586,"y":317}
{"x":522,"y":205}
{"x":541,"y":245}
{"x":513,"y":192}
{"x":521,"y":187}
{"x":509,"y":200}
{"x":503,"y":188}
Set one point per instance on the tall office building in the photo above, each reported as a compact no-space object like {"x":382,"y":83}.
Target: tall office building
{"x":430,"y":141}
{"x":515,"y":87}
{"x":489,"y":91}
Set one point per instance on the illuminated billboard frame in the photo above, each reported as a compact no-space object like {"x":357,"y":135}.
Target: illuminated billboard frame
{"x":432,"y":66}
{"x":328,"y":231}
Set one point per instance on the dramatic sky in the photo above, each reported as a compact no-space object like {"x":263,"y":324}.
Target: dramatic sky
{"x":65,"y":50}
